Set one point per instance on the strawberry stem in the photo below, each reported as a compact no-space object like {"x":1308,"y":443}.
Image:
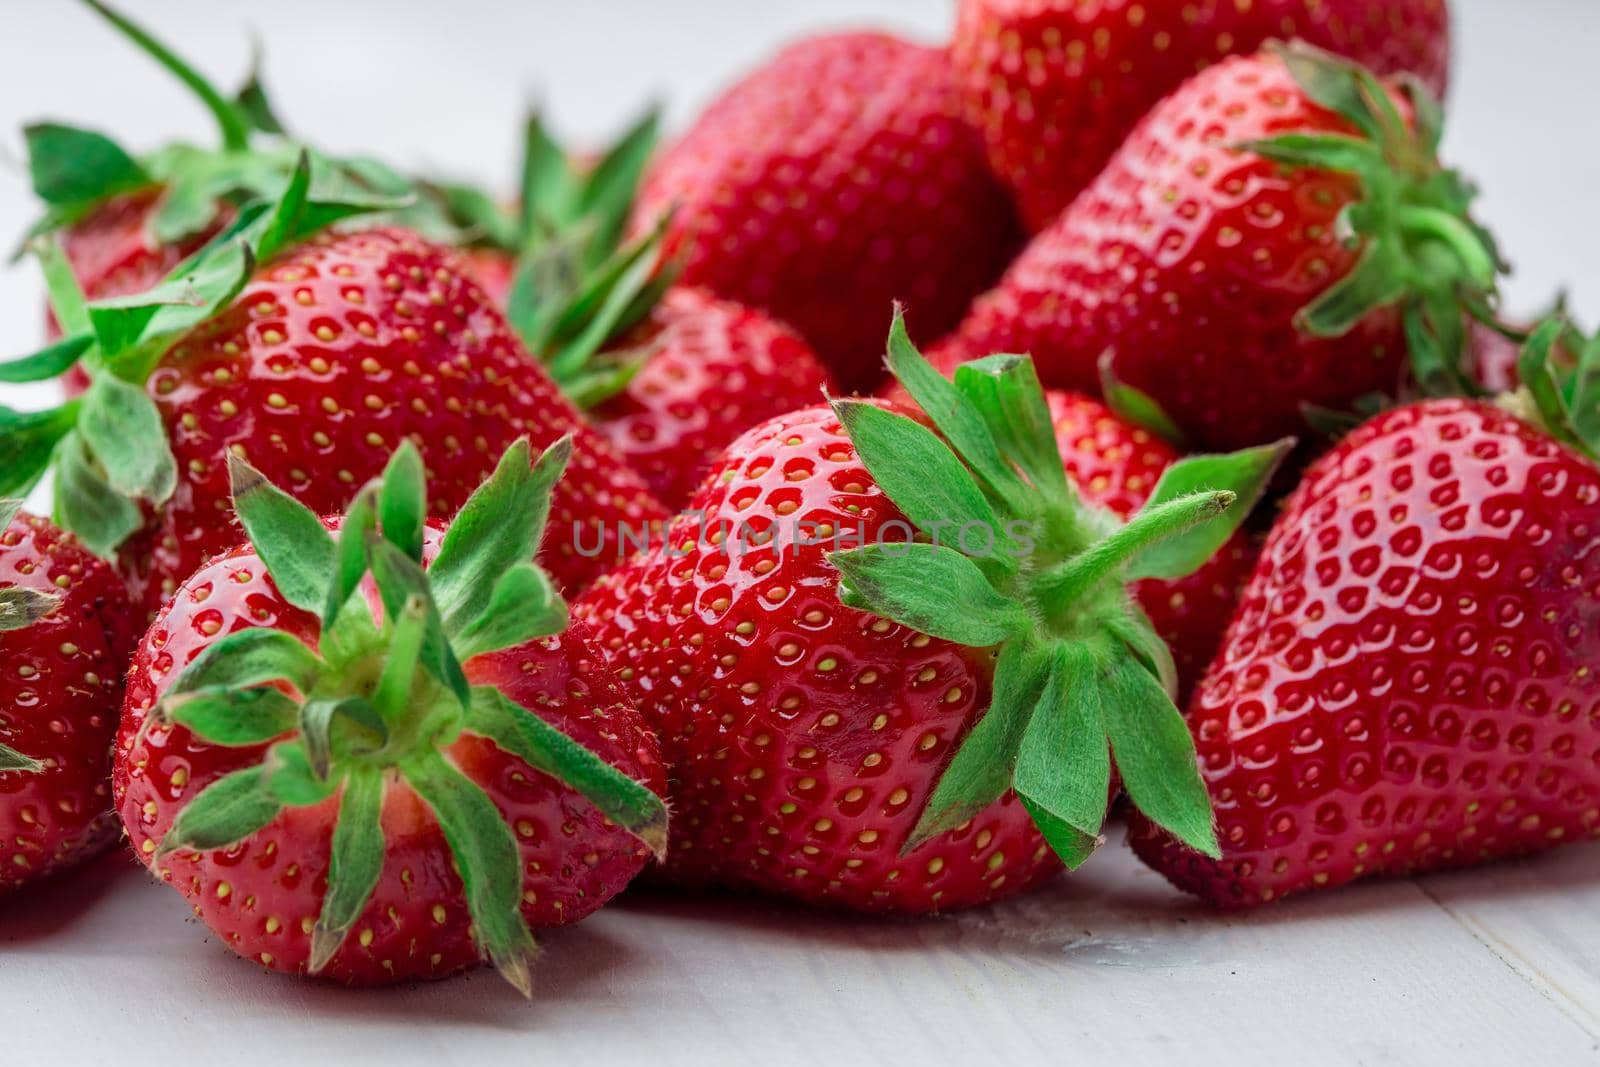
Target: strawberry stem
{"x":1062,"y":587}
{"x":231,"y":122}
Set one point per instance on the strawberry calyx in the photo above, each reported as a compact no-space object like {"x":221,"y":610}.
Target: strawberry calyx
{"x":1559,"y":385}
{"x":378,"y":700}
{"x":1421,"y":250}
{"x":1008,"y":557}
{"x":75,"y":170}
{"x":19,"y":609}
{"x":109,"y":447}
{"x":579,"y":284}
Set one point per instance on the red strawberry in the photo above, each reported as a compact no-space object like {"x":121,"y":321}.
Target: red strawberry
{"x":112,"y":253}
{"x":64,"y":638}
{"x":835,"y":179}
{"x":397,"y":824}
{"x":713,"y":369}
{"x":1221,"y":280}
{"x":1056,"y":85}
{"x":1410,"y":682}
{"x":826,"y":715}
{"x":1116,"y":465}
{"x":669,"y":373}
{"x":328,"y":357}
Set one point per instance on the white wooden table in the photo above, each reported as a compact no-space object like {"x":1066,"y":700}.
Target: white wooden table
{"x":1493,"y":966}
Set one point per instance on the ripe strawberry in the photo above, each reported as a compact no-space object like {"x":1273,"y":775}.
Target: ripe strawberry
{"x":315,"y":366}
{"x":826,"y":714}
{"x":1410,"y":682}
{"x":1116,"y":465}
{"x":835,"y":179}
{"x":668,"y":373}
{"x":64,"y":639}
{"x":385,"y":779}
{"x":1056,"y":85}
{"x":1273,"y":236}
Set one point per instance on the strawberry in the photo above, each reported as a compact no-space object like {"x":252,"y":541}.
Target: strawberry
{"x":1410,"y":681}
{"x":1273,"y":236}
{"x":836,"y":178}
{"x":669,"y":373}
{"x":386,"y":778}
{"x":315,"y":365}
{"x":713,"y":369}
{"x":1057,"y":85}
{"x":63,"y":635}
{"x":896,"y":726}
{"x":1116,"y":464}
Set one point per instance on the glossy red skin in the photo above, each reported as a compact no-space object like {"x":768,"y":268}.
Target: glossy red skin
{"x":835,"y":179}
{"x":1116,"y":465}
{"x":263,"y":895}
{"x":416,"y":350}
{"x":1410,"y":683}
{"x":1190,"y":262}
{"x":790,"y":775}
{"x":716,"y":368}
{"x":1055,"y":86}
{"x":112,"y":253}
{"x":62,"y":689}
{"x":1494,"y":359}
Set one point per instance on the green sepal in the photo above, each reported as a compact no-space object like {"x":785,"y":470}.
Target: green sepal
{"x":1118,"y":555}
{"x":1320,"y":151}
{"x":290,"y":777}
{"x":1136,"y":406}
{"x":406,"y":631}
{"x":1064,"y":765}
{"x":1246,"y":474}
{"x":288,"y":536}
{"x":932,"y":589}
{"x":399,"y":579}
{"x":486,"y":859}
{"x":403,"y":500}
{"x":959,"y":422}
{"x":28,"y":441}
{"x":350,"y":553}
{"x":21,"y":608}
{"x":73,"y":168}
{"x":612,"y":185}
{"x":1155,"y":755}
{"x":231,"y":717}
{"x":253,"y":102}
{"x":320,"y":717}
{"x":525,"y":604}
{"x":49,"y":362}
{"x":1006,"y":392}
{"x":66,"y":297}
{"x":981,"y":770}
{"x":122,"y":428}
{"x":250,"y":657}
{"x":13,"y":761}
{"x":225,"y":812}
{"x":632,"y":805}
{"x":355,"y":863}
{"x":1563,"y":397}
{"x":498,"y":527}
{"x":84,"y":503}
{"x":924,"y":478}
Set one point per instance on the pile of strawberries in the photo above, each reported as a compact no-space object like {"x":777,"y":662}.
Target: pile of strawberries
{"x":892,"y":633}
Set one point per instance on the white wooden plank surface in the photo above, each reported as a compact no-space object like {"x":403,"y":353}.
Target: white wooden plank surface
{"x":1495,"y":966}
{"x":1109,"y":963}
